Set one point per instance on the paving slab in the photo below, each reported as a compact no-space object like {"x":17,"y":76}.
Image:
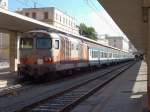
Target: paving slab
{"x":7,"y":78}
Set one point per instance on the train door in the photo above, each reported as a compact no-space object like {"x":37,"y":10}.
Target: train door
{"x":57,"y":50}
{"x":66,"y":49}
{"x":69,"y":50}
{"x":85,"y":52}
{"x":90,"y":54}
{"x":80,"y":55}
{"x":62,"y":50}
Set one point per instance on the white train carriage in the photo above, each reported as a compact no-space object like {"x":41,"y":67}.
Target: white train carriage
{"x":105,"y":55}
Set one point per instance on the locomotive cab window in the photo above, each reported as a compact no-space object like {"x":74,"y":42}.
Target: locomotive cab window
{"x":26,"y":43}
{"x":43,"y":43}
{"x":56,"y":44}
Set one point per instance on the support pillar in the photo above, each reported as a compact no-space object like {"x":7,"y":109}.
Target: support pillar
{"x":14,"y":51}
{"x":148,"y":60}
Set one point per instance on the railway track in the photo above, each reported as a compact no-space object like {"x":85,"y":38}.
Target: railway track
{"x":19,"y":87}
{"x":67,"y":99}
{"x":15,"y":89}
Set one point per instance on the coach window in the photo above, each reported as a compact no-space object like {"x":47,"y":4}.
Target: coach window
{"x":96,"y":55}
{"x":56,"y":44}
{"x":92,"y":54}
{"x":110,"y":55}
{"x":101,"y":54}
{"x":105,"y":55}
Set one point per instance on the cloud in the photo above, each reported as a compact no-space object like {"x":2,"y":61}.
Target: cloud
{"x":103,"y":23}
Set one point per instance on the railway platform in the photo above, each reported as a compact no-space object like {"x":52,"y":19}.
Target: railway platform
{"x":126,"y":93}
{"x":7,"y":78}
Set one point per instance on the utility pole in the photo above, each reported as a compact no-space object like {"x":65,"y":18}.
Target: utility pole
{"x":35,"y":4}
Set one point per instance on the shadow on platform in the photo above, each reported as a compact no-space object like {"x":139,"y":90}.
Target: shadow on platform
{"x":130,"y":93}
{"x":6,"y":77}
{"x":126,"y":93}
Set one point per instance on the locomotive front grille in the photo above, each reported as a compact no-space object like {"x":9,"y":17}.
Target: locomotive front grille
{"x":35,"y":70}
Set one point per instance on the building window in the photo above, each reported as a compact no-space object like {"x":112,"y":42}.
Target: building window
{"x":69,"y":22}
{"x":27,"y":14}
{"x":34,"y":15}
{"x":56,"y":16}
{"x":63,"y":20}
{"x":60,"y":18}
{"x":45,"y":15}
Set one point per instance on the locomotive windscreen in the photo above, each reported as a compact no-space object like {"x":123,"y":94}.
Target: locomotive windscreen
{"x":26,"y":43}
{"x":35,"y":40}
{"x":43,"y":43}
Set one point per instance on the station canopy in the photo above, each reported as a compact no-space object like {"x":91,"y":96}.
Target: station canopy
{"x":15,"y":22}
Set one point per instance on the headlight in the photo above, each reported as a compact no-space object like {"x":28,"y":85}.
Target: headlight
{"x":40,"y":61}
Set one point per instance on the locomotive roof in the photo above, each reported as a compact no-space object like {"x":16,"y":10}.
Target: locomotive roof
{"x":79,"y":37}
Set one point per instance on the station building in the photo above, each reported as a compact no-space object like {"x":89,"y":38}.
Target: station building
{"x":4,"y":46}
{"x":118,"y":42}
{"x":4,"y":38}
{"x":53,"y":16}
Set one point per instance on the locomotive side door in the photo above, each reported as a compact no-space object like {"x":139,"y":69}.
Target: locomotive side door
{"x":57,"y":50}
{"x":62,"y":50}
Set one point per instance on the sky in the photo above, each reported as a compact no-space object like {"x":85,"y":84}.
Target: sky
{"x":89,"y":12}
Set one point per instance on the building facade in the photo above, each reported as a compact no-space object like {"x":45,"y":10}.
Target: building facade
{"x":132,"y":48}
{"x":118,"y":42}
{"x":102,"y":39}
{"x":4,"y":4}
{"x":4,"y":38}
{"x":54,"y":17}
{"x":4,"y":46}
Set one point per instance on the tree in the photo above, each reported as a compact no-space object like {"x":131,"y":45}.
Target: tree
{"x":87,"y":31}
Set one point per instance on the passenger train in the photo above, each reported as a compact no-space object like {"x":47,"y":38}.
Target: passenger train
{"x":44,"y":52}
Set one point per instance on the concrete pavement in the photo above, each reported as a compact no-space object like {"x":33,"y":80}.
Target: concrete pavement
{"x":127,"y":93}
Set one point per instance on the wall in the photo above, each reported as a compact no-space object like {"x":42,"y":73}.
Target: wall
{"x":4,"y":4}
{"x":4,"y":46}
